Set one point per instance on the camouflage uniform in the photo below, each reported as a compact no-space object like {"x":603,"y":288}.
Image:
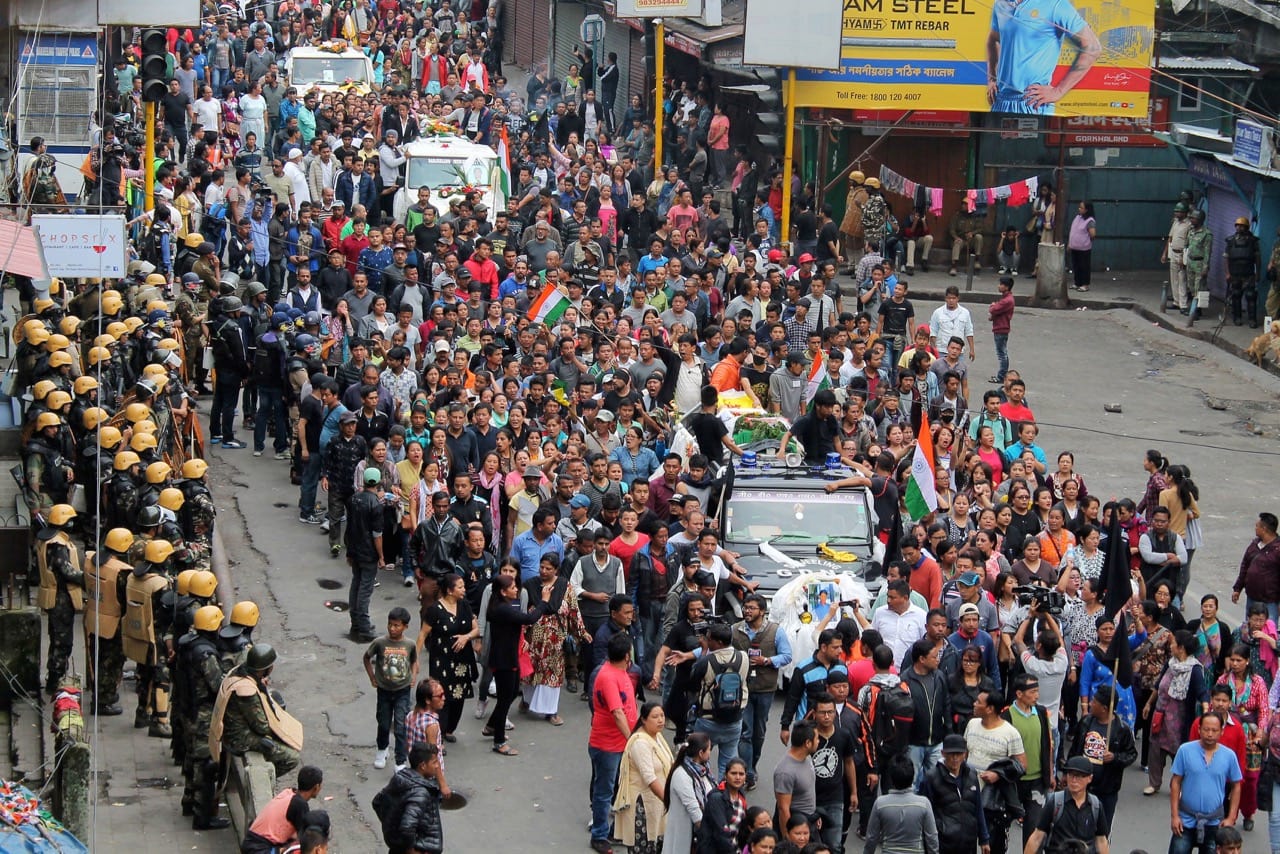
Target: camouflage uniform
{"x":200,"y":680}
{"x":145,"y":622}
{"x":46,"y":472}
{"x":105,"y":578}
{"x":1199,"y":247}
{"x":197,"y":516}
{"x":120,"y":499}
{"x":246,"y":728}
{"x":61,"y":596}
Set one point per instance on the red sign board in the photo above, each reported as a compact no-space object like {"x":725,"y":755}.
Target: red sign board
{"x":1110,"y":131}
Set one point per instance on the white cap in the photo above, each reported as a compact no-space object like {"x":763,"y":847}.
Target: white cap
{"x":295,"y":153}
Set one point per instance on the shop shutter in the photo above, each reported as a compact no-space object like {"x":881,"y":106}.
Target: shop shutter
{"x":532,"y":32}
{"x":568,"y":25}
{"x":617,"y":38}
{"x":1224,"y":207}
{"x":541,"y":32}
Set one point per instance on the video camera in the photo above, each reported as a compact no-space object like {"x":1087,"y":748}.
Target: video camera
{"x":701,"y":627}
{"x":1042,"y":600}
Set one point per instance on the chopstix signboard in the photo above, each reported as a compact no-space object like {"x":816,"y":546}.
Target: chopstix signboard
{"x":1047,"y":57}
{"x":88,"y":245}
{"x":1111,"y":131}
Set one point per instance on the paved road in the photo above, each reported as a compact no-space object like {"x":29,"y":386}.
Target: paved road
{"x":1199,"y":406}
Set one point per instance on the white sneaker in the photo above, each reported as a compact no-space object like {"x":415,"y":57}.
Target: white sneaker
{"x":324,"y":526}
{"x":481,"y":708}
{"x":400,"y":768}
{"x":510,"y":725}
{"x":380,"y":758}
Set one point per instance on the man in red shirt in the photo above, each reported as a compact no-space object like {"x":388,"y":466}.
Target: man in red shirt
{"x":926,"y":576}
{"x":353,"y":244}
{"x":613,"y":715}
{"x":1015,"y":408}
{"x":483,"y":271}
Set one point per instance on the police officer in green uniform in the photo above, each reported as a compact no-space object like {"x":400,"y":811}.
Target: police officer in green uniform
{"x":251,"y":719}
{"x":1199,"y":247}
{"x":1243,"y":255}
{"x":47,"y":472}
{"x":120,"y":492}
{"x":105,"y":577}
{"x":198,"y":511}
{"x":202,"y":677}
{"x":61,"y":589}
{"x":143,"y":634}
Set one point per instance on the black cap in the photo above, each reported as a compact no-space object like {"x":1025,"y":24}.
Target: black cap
{"x":954,"y":743}
{"x":702,"y":578}
{"x":1080,"y":765}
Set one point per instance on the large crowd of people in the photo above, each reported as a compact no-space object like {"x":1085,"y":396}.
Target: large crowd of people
{"x":484,"y":405}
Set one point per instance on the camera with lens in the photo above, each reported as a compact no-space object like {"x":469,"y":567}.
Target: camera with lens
{"x":1042,"y":600}
{"x":701,"y":627}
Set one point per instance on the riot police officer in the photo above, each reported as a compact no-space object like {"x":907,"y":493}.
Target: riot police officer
{"x":144,"y":621}
{"x":198,"y":512}
{"x":105,"y":577}
{"x":120,"y":493}
{"x":47,"y":472}
{"x":61,"y":589}
{"x":201,"y":680}
{"x":1199,"y":246}
{"x":235,"y":639}
{"x":1244,"y":259}
{"x":248,"y":718}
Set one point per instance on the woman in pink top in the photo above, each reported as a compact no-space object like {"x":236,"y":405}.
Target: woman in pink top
{"x":1080,"y":242}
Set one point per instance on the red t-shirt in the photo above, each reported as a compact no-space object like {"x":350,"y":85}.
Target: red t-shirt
{"x":1017,"y":414}
{"x":624,"y":552}
{"x":613,"y":690}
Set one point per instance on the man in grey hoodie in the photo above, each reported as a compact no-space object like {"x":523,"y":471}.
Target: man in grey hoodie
{"x":901,"y":821}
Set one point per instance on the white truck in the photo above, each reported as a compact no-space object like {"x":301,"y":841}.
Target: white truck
{"x":446,"y":165}
{"x":329,"y":68}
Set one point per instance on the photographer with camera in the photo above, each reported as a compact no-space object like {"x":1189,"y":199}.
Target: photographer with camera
{"x":684,"y":644}
{"x":768,"y":650}
{"x":720,"y":676}
{"x":1048,"y":661}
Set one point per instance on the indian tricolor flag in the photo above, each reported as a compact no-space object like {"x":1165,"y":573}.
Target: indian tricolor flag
{"x":818,"y":379}
{"x":922,"y":499}
{"x":548,"y":307}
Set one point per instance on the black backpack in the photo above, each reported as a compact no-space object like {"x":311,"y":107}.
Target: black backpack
{"x":886,"y":722}
{"x":388,"y":807}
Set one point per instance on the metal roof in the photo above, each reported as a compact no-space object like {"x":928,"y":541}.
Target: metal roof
{"x":1205,"y":63}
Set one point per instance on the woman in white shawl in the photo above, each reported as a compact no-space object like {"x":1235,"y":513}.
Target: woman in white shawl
{"x":687,"y":788}
{"x":640,"y":817}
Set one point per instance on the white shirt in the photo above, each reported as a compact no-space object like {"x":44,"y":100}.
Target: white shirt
{"x":207,"y":112}
{"x":945,"y":324}
{"x":297,"y":184}
{"x":900,"y":631}
{"x":1051,"y":674}
{"x":688,"y":392}
{"x":988,"y":746}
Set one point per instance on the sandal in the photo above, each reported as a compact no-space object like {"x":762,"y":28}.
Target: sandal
{"x":555,"y":720}
{"x":505,"y":749}
{"x":486,"y":733}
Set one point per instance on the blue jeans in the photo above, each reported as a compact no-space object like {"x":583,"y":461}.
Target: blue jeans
{"x":832,"y":832}
{"x":924,"y":758}
{"x":1187,"y":842}
{"x":393,"y":708}
{"x":310,"y":483}
{"x":724,"y":737}
{"x":604,"y":774}
{"x":1002,"y":356}
{"x":271,"y":405}
{"x":222,"y":415}
{"x":406,"y":559}
{"x":755,"y":719}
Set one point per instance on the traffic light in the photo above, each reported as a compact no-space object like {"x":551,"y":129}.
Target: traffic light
{"x":155,"y":64}
{"x":770,"y":121}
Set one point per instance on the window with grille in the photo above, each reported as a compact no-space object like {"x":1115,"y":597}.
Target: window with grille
{"x":57,"y":103}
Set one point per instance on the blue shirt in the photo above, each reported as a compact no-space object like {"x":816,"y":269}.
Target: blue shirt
{"x":648,"y":262}
{"x":529,"y":552}
{"x":329,"y":427}
{"x":372,"y":262}
{"x":1204,"y":786}
{"x":1031,"y":33}
{"x":510,"y":287}
{"x":1015,"y":450}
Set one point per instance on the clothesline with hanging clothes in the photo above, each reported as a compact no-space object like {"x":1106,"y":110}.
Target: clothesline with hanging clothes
{"x":1014,"y":195}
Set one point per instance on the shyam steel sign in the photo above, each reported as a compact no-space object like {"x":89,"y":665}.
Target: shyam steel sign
{"x":1034,"y":57}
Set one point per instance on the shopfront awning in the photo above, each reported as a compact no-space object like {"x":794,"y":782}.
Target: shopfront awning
{"x":20,"y":251}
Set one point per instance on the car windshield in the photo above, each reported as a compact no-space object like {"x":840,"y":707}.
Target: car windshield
{"x":435,"y":172}
{"x":760,"y":516}
{"x":327,"y":69}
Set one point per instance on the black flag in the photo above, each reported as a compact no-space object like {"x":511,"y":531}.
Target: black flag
{"x":1116,"y":591}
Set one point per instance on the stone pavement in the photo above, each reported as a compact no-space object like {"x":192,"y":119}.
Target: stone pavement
{"x":1136,"y":290}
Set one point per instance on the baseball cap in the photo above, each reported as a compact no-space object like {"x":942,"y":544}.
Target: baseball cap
{"x":775,"y":256}
{"x":441,"y":346}
{"x":954,"y":743}
{"x":804,"y":301}
{"x":804,"y":258}
{"x":372,"y":475}
{"x":1080,"y":765}
{"x":580,"y":501}
{"x":678,"y":498}
{"x":702,"y":578}
{"x":968,"y":608}
{"x":969,"y":579}
{"x":532,"y":471}
{"x":715,"y":253}
{"x":604,"y":415}
{"x":347,"y":418}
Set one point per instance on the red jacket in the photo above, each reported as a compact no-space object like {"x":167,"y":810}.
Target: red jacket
{"x":1001,"y":314}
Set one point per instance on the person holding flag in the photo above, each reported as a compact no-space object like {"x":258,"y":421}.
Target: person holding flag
{"x":1110,"y":660}
{"x":816,"y":430}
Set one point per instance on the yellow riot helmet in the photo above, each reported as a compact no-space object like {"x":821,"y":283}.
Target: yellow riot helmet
{"x":183,"y":584}
{"x":105,"y":340}
{"x":93,"y":416}
{"x":41,"y":389}
{"x":158,"y":551}
{"x":158,"y":472}
{"x":136,"y":412}
{"x":245,"y":614}
{"x":126,"y":459}
{"x":69,"y":325}
{"x":61,"y":514}
{"x":171,"y":499}
{"x":57,"y":341}
{"x":109,"y":436}
{"x":157,"y":280}
{"x":146,"y":425}
{"x":194,"y":468}
{"x":117,"y":328}
{"x":119,"y":540}
{"x":55,"y":286}
{"x":56,"y":399}
{"x":111,"y":304}
{"x":204,"y":584}
{"x":157,"y":305}
{"x":59,"y":359}
{"x":857,"y":177}
{"x":207,"y":619}
{"x":48,"y":419}
{"x":37,"y":335}
{"x":142,"y":442}
{"x":152,"y":371}
{"x":99,"y":354}
{"x":84,"y":385}
{"x":43,"y":304}
{"x":167,"y":344}
{"x":131,"y":324}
